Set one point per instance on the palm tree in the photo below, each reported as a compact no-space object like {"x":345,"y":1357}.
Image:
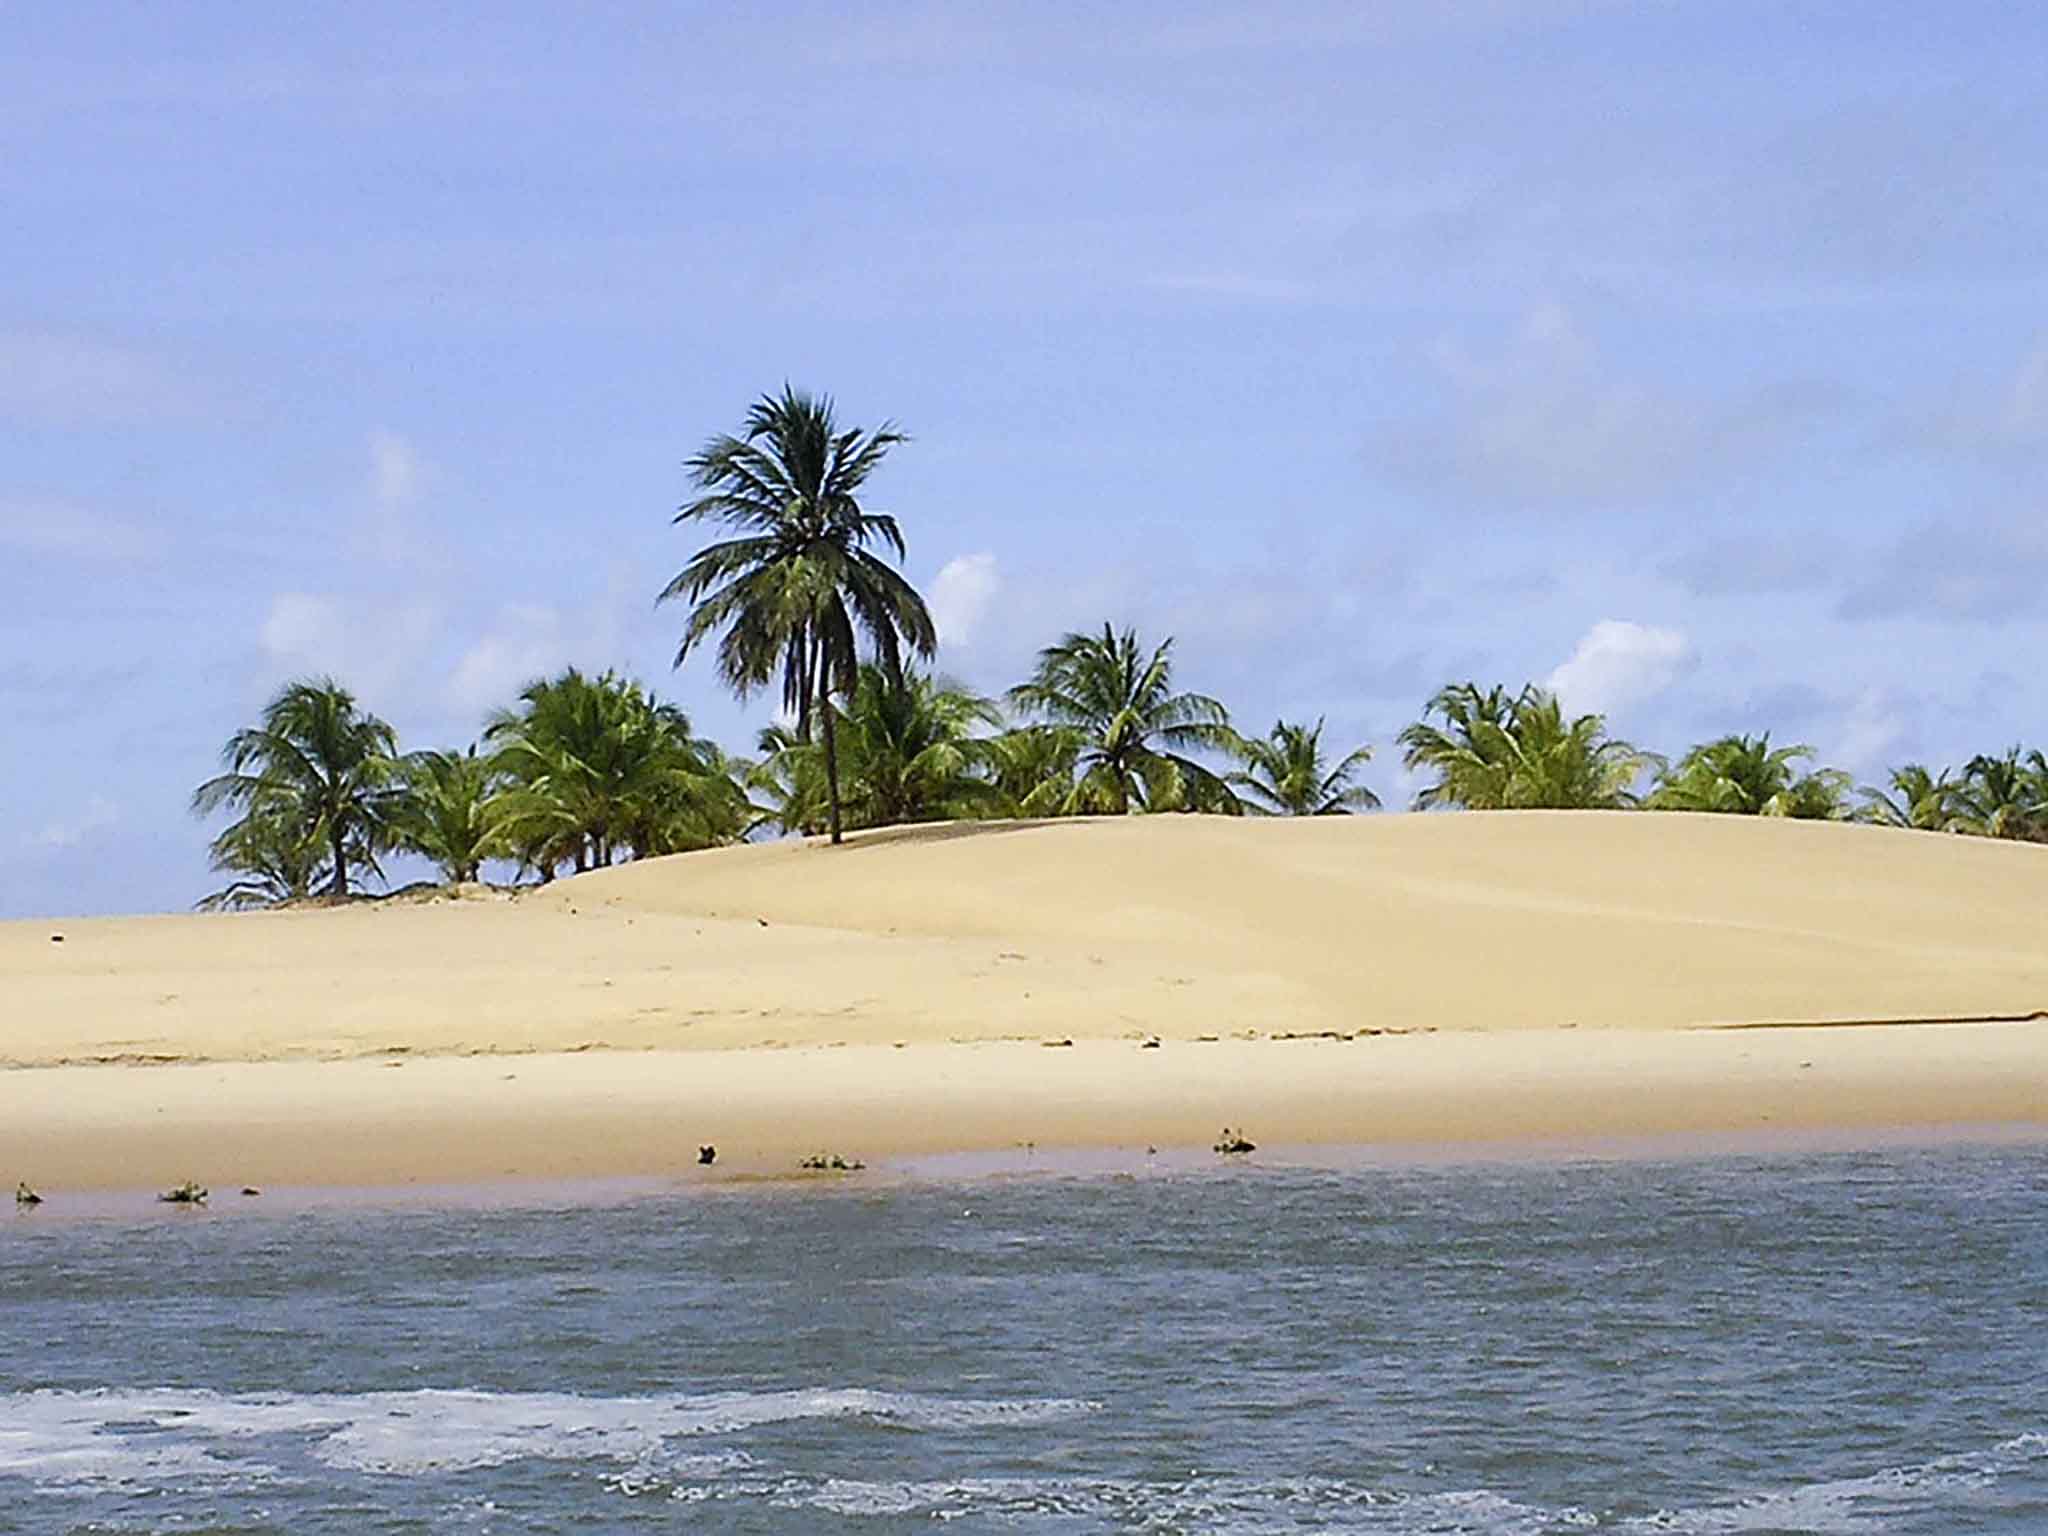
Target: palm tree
{"x":273,"y":862}
{"x":454,"y":812}
{"x":790,"y":775}
{"x":1286,"y":775}
{"x":909,"y":750}
{"x":1031,"y":768}
{"x":1134,"y":732}
{"x":1917,"y":798}
{"x":596,"y":766}
{"x":1747,"y":776}
{"x":797,"y":585}
{"x":1502,"y":751}
{"x":317,"y":767}
{"x":2003,"y":797}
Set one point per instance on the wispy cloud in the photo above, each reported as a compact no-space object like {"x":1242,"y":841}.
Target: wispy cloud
{"x":36,"y":526}
{"x":68,"y":380}
{"x":371,"y":644}
{"x":1949,"y":571}
{"x":397,"y":480}
{"x":97,"y":815}
{"x":1550,"y":417}
{"x":527,"y":641}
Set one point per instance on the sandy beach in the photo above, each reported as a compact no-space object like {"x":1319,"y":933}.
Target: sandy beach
{"x":1388,"y":979}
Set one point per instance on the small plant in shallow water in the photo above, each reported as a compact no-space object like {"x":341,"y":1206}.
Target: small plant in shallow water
{"x":831,"y":1162}
{"x":24,"y":1196}
{"x":191,"y":1192}
{"x":1234,"y":1143}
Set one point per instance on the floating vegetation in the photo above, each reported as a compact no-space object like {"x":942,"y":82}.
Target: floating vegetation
{"x":191,"y":1192}
{"x":831,"y":1162}
{"x":24,"y":1196}
{"x":1234,"y":1143}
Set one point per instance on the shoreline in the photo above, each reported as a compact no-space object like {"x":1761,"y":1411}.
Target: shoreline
{"x":404,"y":1121}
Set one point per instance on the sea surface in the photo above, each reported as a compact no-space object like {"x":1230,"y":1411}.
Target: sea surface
{"x":1848,"y":1342}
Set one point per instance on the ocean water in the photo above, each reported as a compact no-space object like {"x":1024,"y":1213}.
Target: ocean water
{"x":1841,"y":1342}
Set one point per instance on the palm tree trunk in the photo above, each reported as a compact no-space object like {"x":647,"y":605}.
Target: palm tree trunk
{"x":831,"y":763}
{"x":339,"y":889}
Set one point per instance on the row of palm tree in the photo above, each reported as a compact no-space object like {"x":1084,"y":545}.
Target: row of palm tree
{"x":584,"y":771}
{"x":798,"y":595}
{"x":588,"y":770}
{"x":1495,"y":750}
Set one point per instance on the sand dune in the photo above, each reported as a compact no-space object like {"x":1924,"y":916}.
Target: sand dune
{"x":1171,"y":926}
{"x":1180,"y":928}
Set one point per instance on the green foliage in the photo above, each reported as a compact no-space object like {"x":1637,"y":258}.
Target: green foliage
{"x":797,"y":586}
{"x":1502,"y":751}
{"x":315,"y":772}
{"x":2005,"y":796}
{"x":908,"y":751}
{"x":1747,"y":776}
{"x":1132,"y":733}
{"x":1031,"y":768}
{"x":1287,"y":774}
{"x":273,"y":861}
{"x":596,"y":767}
{"x":1916,"y":798}
{"x":454,"y":812}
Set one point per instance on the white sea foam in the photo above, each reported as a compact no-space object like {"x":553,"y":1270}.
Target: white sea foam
{"x":172,"y":1436}
{"x":68,"y":1443}
{"x":1856,"y":1505}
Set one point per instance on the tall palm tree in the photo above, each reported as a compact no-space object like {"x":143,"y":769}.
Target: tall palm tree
{"x":1286,"y":774}
{"x":2003,"y":796}
{"x":1502,"y":751}
{"x":1916,"y":798}
{"x":454,"y":812}
{"x":1747,"y":776}
{"x":797,"y":585}
{"x":1134,"y":731}
{"x":318,"y":766}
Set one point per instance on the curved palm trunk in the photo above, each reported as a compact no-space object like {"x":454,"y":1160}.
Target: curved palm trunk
{"x":338,"y":889}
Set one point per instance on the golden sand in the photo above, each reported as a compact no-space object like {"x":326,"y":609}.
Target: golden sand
{"x":1483,"y":977}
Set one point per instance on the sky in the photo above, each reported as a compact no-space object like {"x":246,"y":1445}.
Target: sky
{"x":1691,"y":359}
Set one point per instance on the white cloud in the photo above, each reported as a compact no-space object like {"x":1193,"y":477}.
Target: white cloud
{"x":961,"y":595}
{"x":67,"y":378}
{"x":526,"y":643}
{"x":39,"y":527}
{"x":1618,"y":663}
{"x":371,"y":646}
{"x":95,"y":816}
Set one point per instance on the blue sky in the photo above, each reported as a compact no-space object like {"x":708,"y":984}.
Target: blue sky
{"x":1691,"y":356}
